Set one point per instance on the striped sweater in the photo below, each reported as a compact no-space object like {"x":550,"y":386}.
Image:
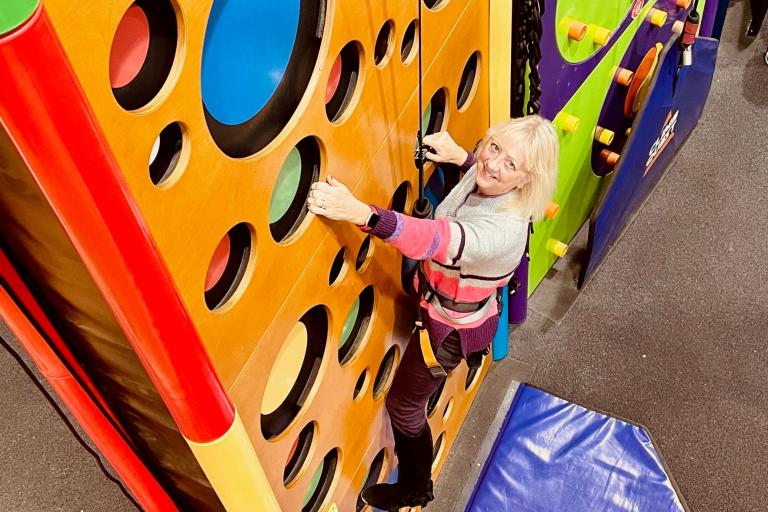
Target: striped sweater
{"x":470,"y":249}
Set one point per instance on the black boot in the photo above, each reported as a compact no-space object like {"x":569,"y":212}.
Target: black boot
{"x":414,"y":472}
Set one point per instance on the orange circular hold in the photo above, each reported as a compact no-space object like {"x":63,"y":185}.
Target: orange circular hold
{"x":643,"y":73}
{"x":683,"y":4}
{"x":552,"y":210}
{"x":609,"y":157}
{"x":577,"y":31}
{"x":624,"y":76}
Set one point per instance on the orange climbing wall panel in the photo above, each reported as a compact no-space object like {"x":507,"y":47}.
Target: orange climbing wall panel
{"x":208,"y":193}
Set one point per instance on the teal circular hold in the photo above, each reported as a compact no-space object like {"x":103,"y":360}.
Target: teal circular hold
{"x":15,"y":12}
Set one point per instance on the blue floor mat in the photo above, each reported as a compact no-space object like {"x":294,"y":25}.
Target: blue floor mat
{"x":555,"y":456}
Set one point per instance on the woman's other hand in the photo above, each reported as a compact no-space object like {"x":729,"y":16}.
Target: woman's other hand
{"x":332,"y":199}
{"x":445,"y":149}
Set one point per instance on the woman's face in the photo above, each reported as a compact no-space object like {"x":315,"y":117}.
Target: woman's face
{"x":499,"y":167}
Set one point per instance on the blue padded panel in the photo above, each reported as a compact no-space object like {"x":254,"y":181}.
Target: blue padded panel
{"x":555,"y":456}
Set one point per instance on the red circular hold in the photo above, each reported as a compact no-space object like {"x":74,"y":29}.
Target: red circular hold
{"x":218,"y":263}
{"x":333,"y":80}
{"x":129,"y":47}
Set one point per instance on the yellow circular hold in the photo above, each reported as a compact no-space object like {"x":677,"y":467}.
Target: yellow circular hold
{"x":657,"y":17}
{"x":552,"y":210}
{"x":604,"y":136}
{"x":628,"y":132}
{"x":567,"y":122}
{"x":623,"y":76}
{"x":602,"y":36}
{"x":557,"y":247}
{"x":286,"y":369}
{"x":575,"y":29}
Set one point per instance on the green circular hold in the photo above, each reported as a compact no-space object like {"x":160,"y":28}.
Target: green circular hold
{"x":313,"y":484}
{"x":425,"y":118}
{"x":286,"y":187}
{"x":15,"y":12}
{"x":349,"y":323}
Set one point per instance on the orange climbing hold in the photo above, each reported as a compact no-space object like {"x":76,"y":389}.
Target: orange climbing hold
{"x":575,"y":29}
{"x":623,"y":76}
{"x":609,"y":157}
{"x":552,"y":210}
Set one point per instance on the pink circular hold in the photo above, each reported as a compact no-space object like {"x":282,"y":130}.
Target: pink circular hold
{"x":218,"y":263}
{"x":333,"y":80}
{"x":129,"y":47}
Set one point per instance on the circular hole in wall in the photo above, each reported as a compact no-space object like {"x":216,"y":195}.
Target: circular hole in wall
{"x":343,"y":81}
{"x":299,"y":454}
{"x":448,"y":410}
{"x":294,"y":372}
{"x":437,"y":451}
{"x":473,"y":375}
{"x":356,"y":325}
{"x":433,"y":119}
{"x":362,"y":384}
{"x":386,"y":371}
{"x":468,"y":82}
{"x":165,"y":154}
{"x":382,"y":51}
{"x":400,"y":197}
{"x":410,"y":43}
{"x":320,"y":485}
{"x":258,"y":58}
{"x":374,"y":474}
{"x":364,"y":254}
{"x":228,"y":266}
{"x":142,"y":52}
{"x":338,"y":267}
{"x":288,"y":204}
{"x":435,"y":398}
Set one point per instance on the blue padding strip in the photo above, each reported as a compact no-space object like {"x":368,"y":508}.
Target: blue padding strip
{"x":552,"y":455}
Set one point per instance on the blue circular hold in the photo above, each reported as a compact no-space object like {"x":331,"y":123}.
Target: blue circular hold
{"x":248,"y":45}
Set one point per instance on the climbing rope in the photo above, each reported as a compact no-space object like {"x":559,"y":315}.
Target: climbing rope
{"x":422,"y":208}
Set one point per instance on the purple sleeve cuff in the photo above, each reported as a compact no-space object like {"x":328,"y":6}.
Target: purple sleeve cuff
{"x":387,"y":224}
{"x":469,"y":162}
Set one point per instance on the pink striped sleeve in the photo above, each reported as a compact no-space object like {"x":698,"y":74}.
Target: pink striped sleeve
{"x":422,"y":239}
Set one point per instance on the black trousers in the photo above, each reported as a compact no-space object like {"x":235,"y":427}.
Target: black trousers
{"x":414,"y":384}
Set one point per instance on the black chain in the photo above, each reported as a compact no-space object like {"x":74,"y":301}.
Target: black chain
{"x":526,"y":55}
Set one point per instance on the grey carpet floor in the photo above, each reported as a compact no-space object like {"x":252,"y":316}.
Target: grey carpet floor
{"x":672,"y":332}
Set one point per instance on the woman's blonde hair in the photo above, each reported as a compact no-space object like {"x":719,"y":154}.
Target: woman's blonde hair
{"x":537,"y":141}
